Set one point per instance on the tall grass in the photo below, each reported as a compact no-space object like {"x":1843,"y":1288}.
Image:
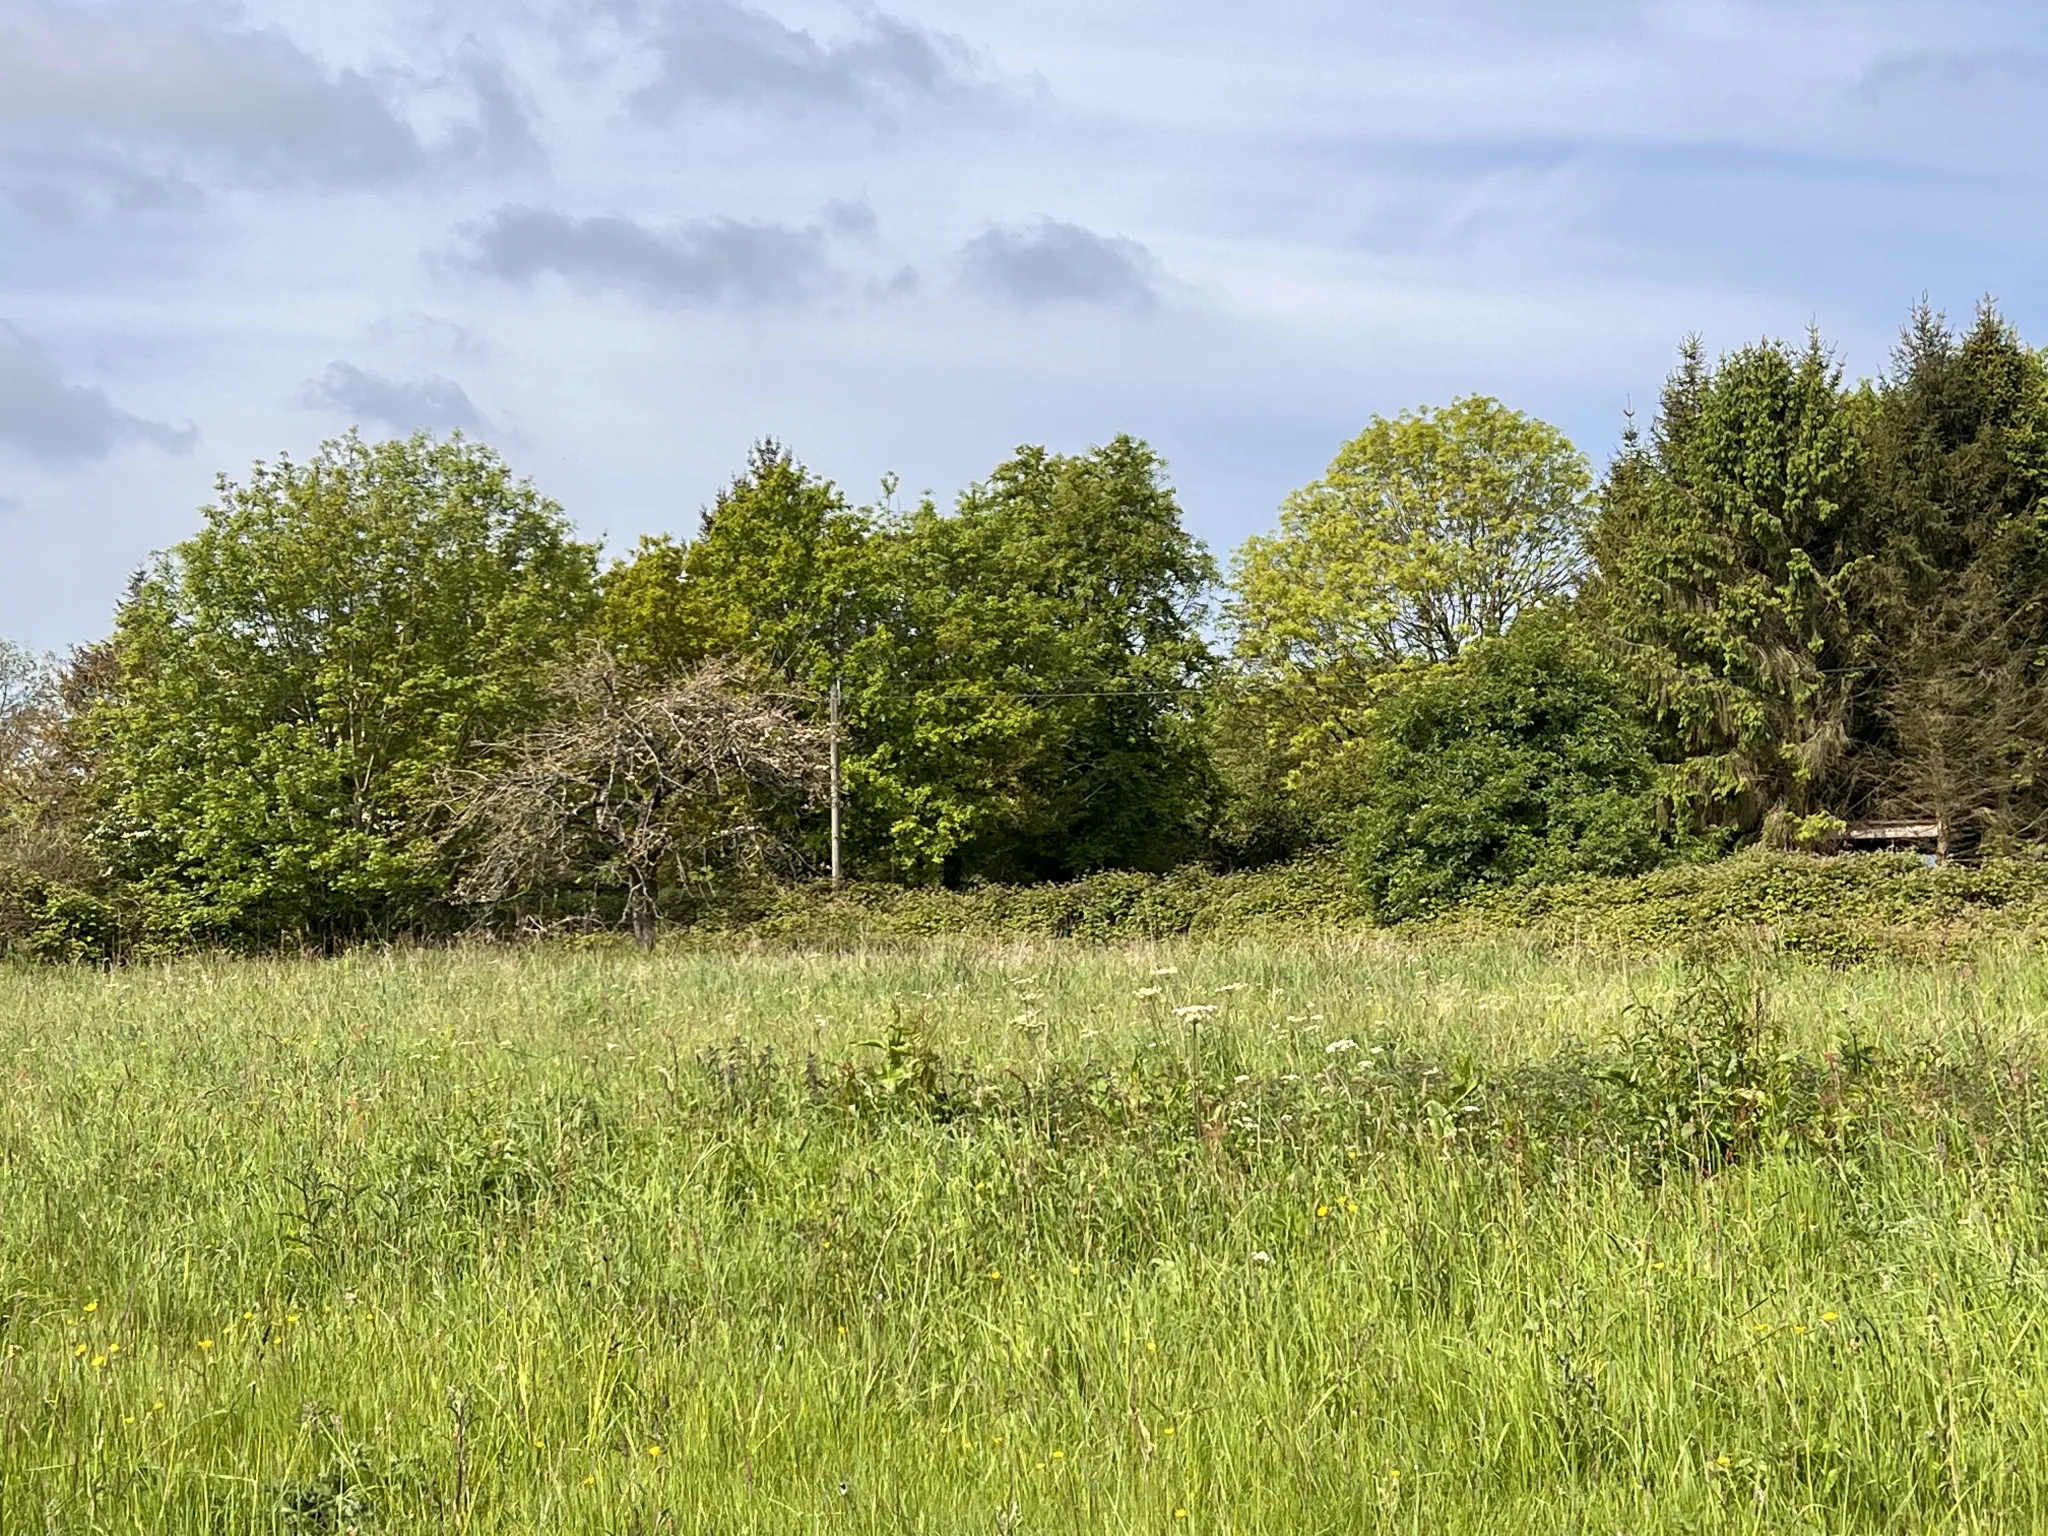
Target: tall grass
{"x":1228,"y":1238}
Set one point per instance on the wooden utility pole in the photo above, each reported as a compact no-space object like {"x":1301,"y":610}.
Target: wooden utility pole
{"x":838,"y":879}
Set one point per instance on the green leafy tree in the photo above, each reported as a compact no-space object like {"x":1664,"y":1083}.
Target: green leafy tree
{"x":1428,"y":531}
{"x":1727,"y":550}
{"x":1019,"y":672}
{"x":776,"y":575}
{"x":1025,"y":703}
{"x":296,"y":678}
{"x":1524,"y":760}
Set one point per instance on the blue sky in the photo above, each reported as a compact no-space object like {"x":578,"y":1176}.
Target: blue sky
{"x":620,"y":239}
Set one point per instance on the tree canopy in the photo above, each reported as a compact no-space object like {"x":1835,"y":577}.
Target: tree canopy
{"x":1428,"y":531}
{"x":1791,"y":602}
{"x":294,"y":679}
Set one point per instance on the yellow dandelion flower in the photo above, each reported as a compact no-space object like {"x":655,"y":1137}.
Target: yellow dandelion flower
{"x":99,"y":1362}
{"x":1152,"y":1345}
{"x":157,"y":1406}
{"x":91,"y":1307}
{"x":995,"y":1274}
{"x":1799,"y":1328}
{"x":1322,"y":1211}
{"x":590,"y":1481}
{"x":206,"y":1343}
{"x":1167,"y":1431}
{"x":78,"y":1353}
{"x":291,"y":1317}
{"x":1180,"y":1514}
{"x":1830,"y":1317}
{"x":114,"y":1348}
{"x":654,"y":1451}
{"x":1059,"y":1455}
{"x":540,"y":1445}
{"x":1723,"y":1461}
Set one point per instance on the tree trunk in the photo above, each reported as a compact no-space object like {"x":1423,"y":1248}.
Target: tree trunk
{"x":640,"y":904}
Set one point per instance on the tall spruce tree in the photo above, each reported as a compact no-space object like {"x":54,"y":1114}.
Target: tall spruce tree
{"x":1727,"y":547}
{"x":1955,"y":659}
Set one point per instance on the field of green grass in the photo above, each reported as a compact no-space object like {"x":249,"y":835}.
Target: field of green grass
{"x":1242,"y":1236}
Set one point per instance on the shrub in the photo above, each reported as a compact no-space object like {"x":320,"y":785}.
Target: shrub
{"x":1521,"y":762}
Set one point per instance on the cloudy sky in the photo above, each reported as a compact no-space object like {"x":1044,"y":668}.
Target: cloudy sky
{"x":620,"y":239}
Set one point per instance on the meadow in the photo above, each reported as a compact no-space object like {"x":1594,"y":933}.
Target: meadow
{"x":1323,"y":1236}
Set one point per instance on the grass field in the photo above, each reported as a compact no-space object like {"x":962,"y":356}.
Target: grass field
{"x":1240,"y":1237}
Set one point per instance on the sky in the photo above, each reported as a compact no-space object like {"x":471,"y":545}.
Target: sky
{"x":620,"y":240}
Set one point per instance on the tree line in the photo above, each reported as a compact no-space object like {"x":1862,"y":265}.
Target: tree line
{"x":388,"y":690}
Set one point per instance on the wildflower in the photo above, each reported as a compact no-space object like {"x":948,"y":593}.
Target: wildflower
{"x":1799,"y":1328}
{"x":1143,"y":993}
{"x":1723,"y":1461}
{"x":654,"y":1451}
{"x":1235,"y":986}
{"x":1339,"y":1047}
{"x":78,"y":1353}
{"x":1194,"y":1011}
{"x":291,"y":1317}
{"x":590,"y":1481}
{"x":114,"y":1348}
{"x":206,"y":1343}
{"x":1152,"y":1346}
{"x":91,"y":1307}
{"x":99,"y":1362}
{"x":1322,"y":1211}
{"x":1059,"y":1455}
{"x":1167,"y":1431}
{"x":1180,"y":1514}
{"x":1830,"y":1317}
{"x":1260,"y":1256}
{"x":540,"y":1445}
{"x":157,"y":1406}
{"x":1167,"y":970}
{"x":995,"y":1274}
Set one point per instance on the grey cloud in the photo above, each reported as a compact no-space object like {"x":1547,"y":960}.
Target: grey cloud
{"x":435,"y":333}
{"x":420,"y":405}
{"x":503,"y":137}
{"x":855,"y":219}
{"x":724,"y":52}
{"x":699,"y":263}
{"x":1937,"y":76}
{"x":1051,"y":263}
{"x":142,"y":75}
{"x":46,"y":418}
